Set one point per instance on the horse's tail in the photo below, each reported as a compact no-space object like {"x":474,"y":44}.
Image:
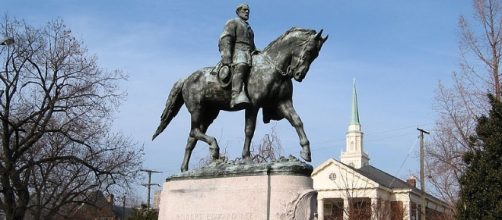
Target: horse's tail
{"x":173,"y":105}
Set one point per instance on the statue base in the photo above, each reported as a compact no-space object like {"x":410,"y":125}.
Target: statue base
{"x":279,"y":190}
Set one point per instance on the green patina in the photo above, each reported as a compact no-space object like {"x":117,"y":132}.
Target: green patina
{"x":282,"y":166}
{"x":355,"y":112}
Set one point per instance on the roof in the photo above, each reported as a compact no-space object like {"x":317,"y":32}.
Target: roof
{"x":372,"y":173}
{"x":384,"y":178}
{"x":388,"y":180}
{"x":380,"y":177}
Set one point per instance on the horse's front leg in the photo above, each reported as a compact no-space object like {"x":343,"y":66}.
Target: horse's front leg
{"x":249,"y":132}
{"x":288,"y":111}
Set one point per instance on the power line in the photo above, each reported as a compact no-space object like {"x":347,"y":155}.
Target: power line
{"x":405,"y":159}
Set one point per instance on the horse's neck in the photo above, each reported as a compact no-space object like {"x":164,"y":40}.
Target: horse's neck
{"x":279,"y":54}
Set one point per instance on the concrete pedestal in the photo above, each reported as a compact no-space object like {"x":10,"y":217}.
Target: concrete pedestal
{"x":264,"y":192}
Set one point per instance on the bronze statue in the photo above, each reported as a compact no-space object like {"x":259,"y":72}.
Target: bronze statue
{"x":236,"y":46}
{"x":269,"y":86}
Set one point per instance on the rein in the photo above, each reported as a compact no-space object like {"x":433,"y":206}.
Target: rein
{"x":275,"y":66}
{"x":290,"y":69}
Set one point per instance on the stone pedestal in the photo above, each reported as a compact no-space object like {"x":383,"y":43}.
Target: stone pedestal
{"x":280,"y":190}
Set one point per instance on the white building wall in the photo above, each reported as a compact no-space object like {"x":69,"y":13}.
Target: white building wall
{"x":333,"y":179}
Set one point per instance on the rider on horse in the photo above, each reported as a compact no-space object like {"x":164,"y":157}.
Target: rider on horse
{"x":237,"y":46}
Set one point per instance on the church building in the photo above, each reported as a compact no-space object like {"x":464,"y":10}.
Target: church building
{"x":353,"y":189}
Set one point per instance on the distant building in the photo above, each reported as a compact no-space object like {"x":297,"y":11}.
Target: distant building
{"x":353,"y":189}
{"x":97,"y":206}
{"x":156,"y":199}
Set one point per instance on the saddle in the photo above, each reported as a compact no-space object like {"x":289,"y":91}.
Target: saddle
{"x":224,"y":73}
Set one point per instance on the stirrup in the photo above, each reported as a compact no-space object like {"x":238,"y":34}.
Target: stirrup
{"x":240,"y":101}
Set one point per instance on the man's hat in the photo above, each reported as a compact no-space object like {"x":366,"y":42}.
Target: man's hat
{"x":224,"y":76}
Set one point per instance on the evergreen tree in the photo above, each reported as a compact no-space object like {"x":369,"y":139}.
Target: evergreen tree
{"x":481,"y":184}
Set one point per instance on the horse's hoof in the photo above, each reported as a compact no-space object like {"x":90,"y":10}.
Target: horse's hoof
{"x":247,"y":160}
{"x":306,"y":155}
{"x":215,"y":153}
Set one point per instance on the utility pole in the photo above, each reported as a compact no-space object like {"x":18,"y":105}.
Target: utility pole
{"x":123,"y":207}
{"x":149,"y":184}
{"x":422,"y":173}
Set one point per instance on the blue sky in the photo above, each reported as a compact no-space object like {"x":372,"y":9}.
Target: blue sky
{"x":397,"y":51}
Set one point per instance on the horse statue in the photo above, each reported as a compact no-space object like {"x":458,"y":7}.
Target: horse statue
{"x":269,"y":86}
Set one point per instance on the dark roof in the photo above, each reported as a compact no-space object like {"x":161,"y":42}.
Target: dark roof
{"x":384,"y":178}
{"x":387,"y":180}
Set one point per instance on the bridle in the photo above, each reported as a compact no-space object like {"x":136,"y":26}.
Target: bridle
{"x":301,"y":58}
{"x":292,"y":68}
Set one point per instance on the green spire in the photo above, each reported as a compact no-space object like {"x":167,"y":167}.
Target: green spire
{"x":355,"y":112}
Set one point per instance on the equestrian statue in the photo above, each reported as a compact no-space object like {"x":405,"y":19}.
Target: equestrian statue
{"x":268,"y":86}
{"x":258,"y":80}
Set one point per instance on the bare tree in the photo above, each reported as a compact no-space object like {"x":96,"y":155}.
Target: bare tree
{"x":56,"y":108}
{"x":355,"y":191}
{"x":269,"y":149}
{"x":460,"y":105}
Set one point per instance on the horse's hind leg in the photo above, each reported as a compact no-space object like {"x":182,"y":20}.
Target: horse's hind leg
{"x":191,"y":142}
{"x":211,"y":141}
{"x":206,"y":121}
{"x":188,"y":152}
{"x":198,"y":130}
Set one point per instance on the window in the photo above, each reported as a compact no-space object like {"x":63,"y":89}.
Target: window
{"x":360,"y":208}
{"x":333,"y":209}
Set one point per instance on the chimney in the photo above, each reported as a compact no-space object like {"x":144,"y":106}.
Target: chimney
{"x":110,"y":198}
{"x":412,"y":181}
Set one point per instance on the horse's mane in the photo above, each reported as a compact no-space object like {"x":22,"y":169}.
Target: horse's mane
{"x":291,"y":30}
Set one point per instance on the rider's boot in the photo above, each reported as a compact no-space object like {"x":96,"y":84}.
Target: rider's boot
{"x":239,"y":97}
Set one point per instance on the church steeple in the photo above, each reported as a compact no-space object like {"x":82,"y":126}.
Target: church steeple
{"x":354,"y":153}
{"x":355,"y":111}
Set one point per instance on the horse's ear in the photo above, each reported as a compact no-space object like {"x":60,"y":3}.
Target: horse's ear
{"x":325,"y":38}
{"x":318,"y":35}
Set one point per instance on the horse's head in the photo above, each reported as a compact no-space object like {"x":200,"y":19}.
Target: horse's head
{"x":304,"y":50}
